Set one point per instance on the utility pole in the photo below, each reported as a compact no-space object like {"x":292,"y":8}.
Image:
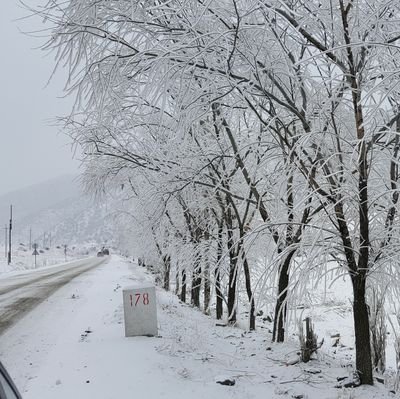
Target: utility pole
{"x":5,"y":240}
{"x":9,"y":236}
{"x":30,"y":238}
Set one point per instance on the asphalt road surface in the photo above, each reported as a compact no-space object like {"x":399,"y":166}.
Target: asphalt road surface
{"x":21,"y":293}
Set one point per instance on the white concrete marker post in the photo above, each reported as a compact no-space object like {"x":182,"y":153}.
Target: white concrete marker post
{"x":140,"y":310}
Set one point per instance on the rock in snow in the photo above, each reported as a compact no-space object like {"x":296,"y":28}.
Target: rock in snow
{"x":225,"y":380}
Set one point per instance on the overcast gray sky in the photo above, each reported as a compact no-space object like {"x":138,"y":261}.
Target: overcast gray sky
{"x":31,"y":150}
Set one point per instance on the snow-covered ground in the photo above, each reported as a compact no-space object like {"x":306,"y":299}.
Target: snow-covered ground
{"x":73,"y":346}
{"x":22,"y":258}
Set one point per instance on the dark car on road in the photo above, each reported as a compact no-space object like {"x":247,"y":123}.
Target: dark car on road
{"x":103,"y":252}
{"x":8,"y":390}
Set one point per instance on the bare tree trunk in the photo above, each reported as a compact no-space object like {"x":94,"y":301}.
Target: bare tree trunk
{"x":361,"y":330}
{"x":196,"y":284}
{"x":219,"y":300}
{"x":278,"y":334}
{"x":233,"y":260}
{"x":207,"y":287}
{"x":184,"y":286}
{"x":167,"y":271}
{"x":232,"y":290}
{"x":219,"y":303}
{"x":177,"y":283}
{"x":252,"y":315}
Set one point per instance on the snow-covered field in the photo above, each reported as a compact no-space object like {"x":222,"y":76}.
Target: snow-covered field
{"x":73,"y":346}
{"x":22,"y":258}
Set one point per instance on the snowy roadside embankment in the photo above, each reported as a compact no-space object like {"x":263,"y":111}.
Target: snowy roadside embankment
{"x":23,"y":259}
{"x":73,"y":346}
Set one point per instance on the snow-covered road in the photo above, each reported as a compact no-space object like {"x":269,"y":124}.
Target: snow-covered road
{"x":20,"y":292}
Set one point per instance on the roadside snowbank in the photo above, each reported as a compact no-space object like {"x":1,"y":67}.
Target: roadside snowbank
{"x":22,"y":258}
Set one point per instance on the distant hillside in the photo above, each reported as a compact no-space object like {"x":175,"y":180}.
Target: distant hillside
{"x":38,"y":197}
{"x":56,"y":211}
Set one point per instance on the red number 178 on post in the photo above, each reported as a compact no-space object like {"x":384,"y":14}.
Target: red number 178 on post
{"x":144,"y":301}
